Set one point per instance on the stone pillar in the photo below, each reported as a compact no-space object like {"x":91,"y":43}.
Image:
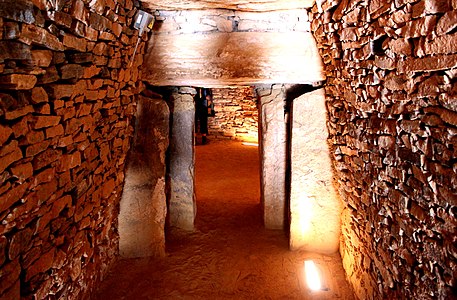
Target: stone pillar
{"x":143,"y":205}
{"x":314,"y":205}
{"x":182,"y":204}
{"x":272,"y":142}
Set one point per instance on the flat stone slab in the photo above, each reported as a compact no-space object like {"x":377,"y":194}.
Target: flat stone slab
{"x":237,"y":58}
{"x":265,"y":5}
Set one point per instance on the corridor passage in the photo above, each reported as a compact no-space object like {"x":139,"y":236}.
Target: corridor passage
{"x":229,"y":255}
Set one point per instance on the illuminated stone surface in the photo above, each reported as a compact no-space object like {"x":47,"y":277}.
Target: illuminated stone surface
{"x":392,"y":112}
{"x":272,"y":131}
{"x":218,"y":48}
{"x":238,"y":58}
{"x":143,"y":203}
{"x":236,"y":114}
{"x":314,"y":205}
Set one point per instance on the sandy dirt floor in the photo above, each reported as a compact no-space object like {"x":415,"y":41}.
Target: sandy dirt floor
{"x":229,"y":255}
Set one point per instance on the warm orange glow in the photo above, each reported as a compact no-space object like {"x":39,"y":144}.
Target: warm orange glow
{"x":312,"y":276}
{"x":305,"y":213}
{"x":250,"y":144}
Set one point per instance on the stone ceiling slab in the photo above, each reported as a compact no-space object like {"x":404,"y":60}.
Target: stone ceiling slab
{"x":241,"y":5}
{"x":238,"y":58}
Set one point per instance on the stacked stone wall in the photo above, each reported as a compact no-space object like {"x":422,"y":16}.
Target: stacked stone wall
{"x":66,"y":105}
{"x":224,"y":20}
{"x":236,"y":114}
{"x":392,"y":102}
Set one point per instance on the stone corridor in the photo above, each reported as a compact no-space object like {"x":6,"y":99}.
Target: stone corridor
{"x":230,"y":255}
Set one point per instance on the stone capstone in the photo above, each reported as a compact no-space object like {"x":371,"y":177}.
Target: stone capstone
{"x":219,"y":48}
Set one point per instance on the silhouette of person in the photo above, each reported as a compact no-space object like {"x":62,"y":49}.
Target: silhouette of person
{"x":203,"y":104}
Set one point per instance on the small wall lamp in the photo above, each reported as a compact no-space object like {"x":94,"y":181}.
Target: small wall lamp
{"x":143,"y":22}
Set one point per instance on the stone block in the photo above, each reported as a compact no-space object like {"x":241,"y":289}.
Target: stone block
{"x":5,"y":133}
{"x":37,"y":35}
{"x":46,"y":158}
{"x":17,"y":82}
{"x":20,"y":11}
{"x":98,"y":22}
{"x":20,"y":242}
{"x":70,"y":161}
{"x":41,"y":265}
{"x":70,"y":71}
{"x":11,"y":30}
{"x":39,"y":95}
{"x":14,"y":50}
{"x":427,"y":64}
{"x":34,"y":149}
{"x":80,"y":58}
{"x":79,"y":12}
{"x":10,"y":158}
{"x":54,"y":131}
{"x":441,"y":45}
{"x":61,"y":18}
{"x":51,"y":75}
{"x":9,"y":276}
{"x":46,"y":121}
{"x":74,"y":43}
{"x":59,"y":91}
{"x":22,"y":171}
{"x":447,"y":22}
{"x":12,"y":196}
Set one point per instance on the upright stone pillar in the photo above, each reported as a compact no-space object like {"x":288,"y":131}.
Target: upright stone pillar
{"x":143,"y":204}
{"x":182,"y":197}
{"x":272,"y":139}
{"x":314,"y":205}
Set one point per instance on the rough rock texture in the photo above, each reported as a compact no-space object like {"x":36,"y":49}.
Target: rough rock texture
{"x":242,"y":5}
{"x":313,"y":197}
{"x":236,"y":114}
{"x":272,"y":131}
{"x":218,"y":48}
{"x":143,"y":206}
{"x":66,"y":105}
{"x":181,"y":206}
{"x":392,"y":101}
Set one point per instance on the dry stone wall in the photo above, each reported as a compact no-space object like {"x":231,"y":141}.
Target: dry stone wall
{"x":392,"y":101}
{"x":224,"y":21}
{"x":241,"y":5}
{"x":66,"y":105}
{"x":236,"y":114}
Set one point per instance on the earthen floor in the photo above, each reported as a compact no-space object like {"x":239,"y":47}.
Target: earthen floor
{"x":229,"y":255}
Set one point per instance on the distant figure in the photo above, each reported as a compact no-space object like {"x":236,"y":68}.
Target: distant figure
{"x":203,"y":106}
